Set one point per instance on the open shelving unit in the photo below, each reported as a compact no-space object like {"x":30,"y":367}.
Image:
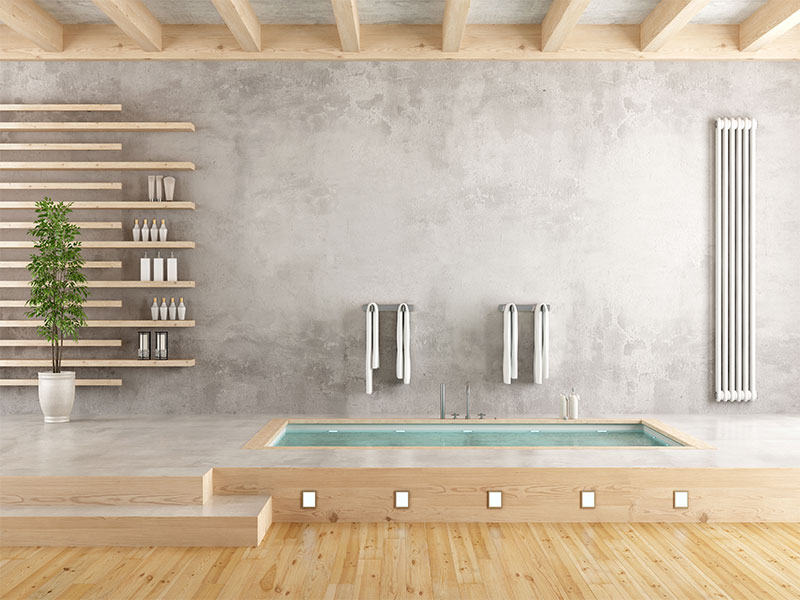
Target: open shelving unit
{"x":113,"y":227}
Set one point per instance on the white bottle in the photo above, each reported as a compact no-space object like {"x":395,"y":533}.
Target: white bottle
{"x":169,"y":188}
{"x":162,"y":310}
{"x":144,"y":268}
{"x":564,"y":407}
{"x":145,"y":232}
{"x":162,"y":231}
{"x":158,"y":268}
{"x":172,"y":268}
{"x":181,"y":311}
{"x":574,"y":399}
{"x":159,"y":178}
{"x":136,"y":230}
{"x":154,"y":309}
{"x":154,"y":232}
{"x":172,"y":310}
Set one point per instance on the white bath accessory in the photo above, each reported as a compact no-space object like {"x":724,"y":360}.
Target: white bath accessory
{"x":181,"y":311}
{"x":173,"y":310}
{"x":159,"y":188}
{"x":162,"y":310}
{"x":403,"y":363}
{"x":574,"y":400}
{"x":154,"y":232}
{"x":145,"y":231}
{"x":154,"y":309}
{"x":372,"y":358}
{"x":151,"y":188}
{"x":136,"y":231}
{"x":541,"y":343}
{"x":158,"y":268}
{"x":564,"y":406}
{"x":510,"y":343}
{"x":172,"y":268}
{"x":144,"y":268}
{"x":169,"y":188}
{"x":162,"y":231}
{"x":735,"y":261}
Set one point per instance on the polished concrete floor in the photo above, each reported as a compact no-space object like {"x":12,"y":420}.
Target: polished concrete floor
{"x":190,"y":445}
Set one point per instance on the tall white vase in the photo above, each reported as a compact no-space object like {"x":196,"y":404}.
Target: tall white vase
{"x":57,"y":395}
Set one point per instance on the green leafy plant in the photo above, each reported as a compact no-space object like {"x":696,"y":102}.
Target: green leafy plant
{"x":58,"y":287}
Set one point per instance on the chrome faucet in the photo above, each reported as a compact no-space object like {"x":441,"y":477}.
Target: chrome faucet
{"x":467,"y":417}
{"x":441,"y":400}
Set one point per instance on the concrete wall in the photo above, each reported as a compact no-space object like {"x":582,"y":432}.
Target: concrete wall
{"x":321,"y":186}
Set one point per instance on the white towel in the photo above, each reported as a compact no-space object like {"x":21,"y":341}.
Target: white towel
{"x":545,"y":341}
{"x":372,"y":359}
{"x":541,"y":343}
{"x":510,"y":343}
{"x":403,"y":364}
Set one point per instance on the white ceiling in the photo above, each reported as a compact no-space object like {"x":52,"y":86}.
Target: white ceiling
{"x":400,"y":11}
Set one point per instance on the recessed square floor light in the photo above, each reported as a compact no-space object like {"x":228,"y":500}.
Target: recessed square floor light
{"x":308,"y":499}
{"x":494,"y":499}
{"x":680,"y":499}
{"x":587,"y":499}
{"x":401,"y":499}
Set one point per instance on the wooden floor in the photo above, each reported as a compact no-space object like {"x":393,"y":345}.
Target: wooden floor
{"x":392,"y":560}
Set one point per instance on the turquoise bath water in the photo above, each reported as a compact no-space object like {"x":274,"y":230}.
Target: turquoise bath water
{"x":470,"y":435}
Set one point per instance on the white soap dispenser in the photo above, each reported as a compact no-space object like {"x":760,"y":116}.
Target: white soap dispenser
{"x":564,"y":407}
{"x":144,"y":268}
{"x":158,"y":268}
{"x":181,"y":311}
{"x":162,"y":310}
{"x":172,"y":268}
{"x":574,"y":399}
{"x":172,"y":310}
{"x":145,"y":232}
{"x":154,"y":309}
{"x":162,"y":232}
{"x":136,"y":230}
{"x":154,"y":231}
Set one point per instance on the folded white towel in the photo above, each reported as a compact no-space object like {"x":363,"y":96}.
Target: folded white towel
{"x":510,"y":343}
{"x":372,"y":360}
{"x":514,"y":342}
{"x":403,"y":363}
{"x":545,"y":341}
{"x":537,"y":343}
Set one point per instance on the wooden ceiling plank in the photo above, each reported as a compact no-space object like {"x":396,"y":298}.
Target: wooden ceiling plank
{"x":241,"y":19}
{"x":138,"y":23}
{"x":665,"y":20}
{"x":560,"y":20}
{"x":347,"y":23}
{"x":768,"y":23}
{"x":454,"y":24}
{"x":34,"y":23}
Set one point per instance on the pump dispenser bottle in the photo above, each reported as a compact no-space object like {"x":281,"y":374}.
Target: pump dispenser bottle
{"x":162,"y":231}
{"x":181,"y":311}
{"x":145,"y":232}
{"x":172,"y":310}
{"x":162,"y":310}
{"x":136,"y":230}
{"x":154,"y":309}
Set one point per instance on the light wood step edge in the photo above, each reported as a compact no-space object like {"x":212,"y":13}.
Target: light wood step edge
{"x":82,"y":224}
{"x":106,"y":205}
{"x":78,"y":382}
{"x":98,"y":362}
{"x":40,"y":343}
{"x":121,"y":245}
{"x":96,"y":166}
{"x":142,"y":323}
{"x":82,"y":490}
{"x":60,"y":107}
{"x":63,"y":185}
{"x":87,"y":304}
{"x":48,"y":147}
{"x":89,"y":264}
{"x":111,"y":284}
{"x":97,"y":126}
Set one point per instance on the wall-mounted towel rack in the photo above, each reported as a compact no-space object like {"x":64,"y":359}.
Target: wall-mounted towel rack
{"x":523,"y":307}
{"x":389,"y":307}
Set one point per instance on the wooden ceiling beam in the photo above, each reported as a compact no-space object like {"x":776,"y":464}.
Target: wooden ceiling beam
{"x":559,"y":21}
{"x":454,"y":24}
{"x":665,"y":20}
{"x":241,"y":19}
{"x":34,"y":23}
{"x":138,"y":23}
{"x":768,"y":23}
{"x":346,"y":14}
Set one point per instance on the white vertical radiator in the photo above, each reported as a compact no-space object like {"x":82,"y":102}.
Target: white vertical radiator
{"x":735,"y":257}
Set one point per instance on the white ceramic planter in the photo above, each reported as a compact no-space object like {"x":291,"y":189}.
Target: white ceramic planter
{"x":56,"y":395}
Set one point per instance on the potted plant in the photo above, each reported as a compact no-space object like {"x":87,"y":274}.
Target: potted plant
{"x":58,"y":291}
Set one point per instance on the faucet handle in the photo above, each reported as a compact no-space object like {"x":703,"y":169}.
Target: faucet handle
{"x":455,"y":415}
{"x":481,"y":415}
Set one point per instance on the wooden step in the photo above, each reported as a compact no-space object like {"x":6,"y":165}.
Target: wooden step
{"x":78,"y":382}
{"x":106,"y":205}
{"x":60,"y":107}
{"x":94,"y":126}
{"x":222,"y":521}
{"x":98,"y":362}
{"x":64,"y":185}
{"x":143,"y":323}
{"x":87,"y":304}
{"x":46,"y":147}
{"x":114,"y":490}
{"x":96,"y":166}
{"x":88,"y":264}
{"x":93,"y":244}
{"x":111,"y":284}
{"x":81,"y":224}
{"x":39,"y":343}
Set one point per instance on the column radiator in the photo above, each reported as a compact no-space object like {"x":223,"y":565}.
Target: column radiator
{"x":735,"y":258}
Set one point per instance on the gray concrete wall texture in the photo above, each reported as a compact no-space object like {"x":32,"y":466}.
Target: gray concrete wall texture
{"x":455,"y":186}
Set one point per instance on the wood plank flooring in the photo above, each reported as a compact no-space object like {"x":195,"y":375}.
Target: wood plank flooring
{"x":330,"y":561}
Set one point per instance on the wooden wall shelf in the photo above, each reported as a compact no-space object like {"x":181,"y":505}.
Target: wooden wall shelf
{"x":89,"y":264}
{"x":87,"y":304}
{"x":95,"y":126}
{"x":96,"y":166}
{"x":68,"y":343}
{"x":61,"y":147}
{"x":144,"y":324}
{"x":88,"y":245}
{"x":64,"y":185}
{"x":112,"y":284}
{"x":78,"y":382}
{"x":107,"y":205}
{"x":81,"y":224}
{"x":60,"y":107}
{"x":97,"y":362}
